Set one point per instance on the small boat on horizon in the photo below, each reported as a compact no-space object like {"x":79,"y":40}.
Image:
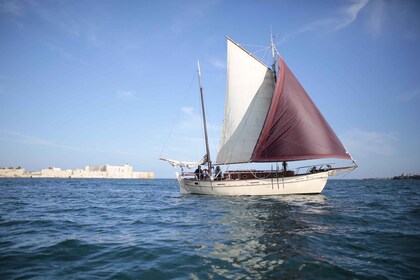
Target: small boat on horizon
{"x":268,"y":118}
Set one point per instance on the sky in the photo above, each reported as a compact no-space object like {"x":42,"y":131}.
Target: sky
{"x":115,"y":82}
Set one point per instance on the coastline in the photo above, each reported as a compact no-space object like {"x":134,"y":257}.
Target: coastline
{"x":94,"y":172}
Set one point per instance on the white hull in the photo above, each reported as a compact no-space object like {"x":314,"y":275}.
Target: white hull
{"x":300,"y":184}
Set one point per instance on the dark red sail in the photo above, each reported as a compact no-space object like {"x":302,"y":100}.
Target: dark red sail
{"x":294,"y":128}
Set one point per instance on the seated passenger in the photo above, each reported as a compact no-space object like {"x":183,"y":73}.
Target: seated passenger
{"x":198,"y":173}
{"x":205,"y":174}
{"x":218,"y":173}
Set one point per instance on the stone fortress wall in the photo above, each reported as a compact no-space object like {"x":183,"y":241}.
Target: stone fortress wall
{"x":103,"y":171}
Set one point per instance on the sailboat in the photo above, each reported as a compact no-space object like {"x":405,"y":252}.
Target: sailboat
{"x":268,"y":118}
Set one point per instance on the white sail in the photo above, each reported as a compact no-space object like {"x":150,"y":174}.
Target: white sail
{"x":250,"y":88}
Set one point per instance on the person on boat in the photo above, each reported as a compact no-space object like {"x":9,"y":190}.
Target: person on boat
{"x":198,"y":173}
{"x":205,"y":174}
{"x":218,"y":173}
{"x":284,"y":166}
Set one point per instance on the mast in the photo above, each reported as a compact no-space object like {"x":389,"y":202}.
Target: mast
{"x":273,"y":55}
{"x":204,"y":119}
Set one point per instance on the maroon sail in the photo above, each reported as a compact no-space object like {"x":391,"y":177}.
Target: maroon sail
{"x":294,"y":128}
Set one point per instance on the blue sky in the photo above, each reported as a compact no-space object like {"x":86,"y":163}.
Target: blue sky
{"x":114,"y":82}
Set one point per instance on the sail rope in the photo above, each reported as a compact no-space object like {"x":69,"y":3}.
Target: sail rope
{"x":345,"y":173}
{"x":174,"y":120}
{"x":266,"y":49}
{"x":264,"y":56}
{"x":255,"y":46}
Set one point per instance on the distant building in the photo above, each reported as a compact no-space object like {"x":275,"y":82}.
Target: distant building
{"x":54,"y":172}
{"x":12,"y":172}
{"x":405,"y":176}
{"x":105,"y":171}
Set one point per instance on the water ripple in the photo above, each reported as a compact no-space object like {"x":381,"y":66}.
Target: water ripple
{"x":131,"y":229}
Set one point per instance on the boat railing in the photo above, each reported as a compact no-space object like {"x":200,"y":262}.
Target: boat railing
{"x":188,"y":174}
{"x":256,"y":174}
{"x":265,"y":174}
{"x":313,"y":168}
{"x":193,"y":176}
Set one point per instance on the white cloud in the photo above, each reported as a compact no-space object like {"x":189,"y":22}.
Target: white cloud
{"x":350,"y":14}
{"x":125,"y":95}
{"x":370,"y":143}
{"x":18,"y":137}
{"x":409,"y":96}
{"x":377,"y":17}
{"x":339,"y":20}
{"x":189,"y":13}
{"x":193,"y":121}
{"x":11,"y":7}
{"x":56,"y":15}
{"x":218,"y":63}
{"x":188,"y":111}
{"x":61,"y":51}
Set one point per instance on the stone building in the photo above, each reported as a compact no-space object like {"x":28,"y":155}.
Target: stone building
{"x":102,"y":171}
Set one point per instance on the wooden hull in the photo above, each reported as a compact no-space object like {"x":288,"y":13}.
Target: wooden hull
{"x":299,"y":184}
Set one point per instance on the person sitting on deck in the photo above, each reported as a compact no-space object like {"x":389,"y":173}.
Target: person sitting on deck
{"x":205,"y":174}
{"x":218,"y":173}
{"x":198,"y":173}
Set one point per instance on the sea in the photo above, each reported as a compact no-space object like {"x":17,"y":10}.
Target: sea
{"x":146,"y":229}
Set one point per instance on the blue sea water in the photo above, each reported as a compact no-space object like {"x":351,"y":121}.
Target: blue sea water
{"x":146,"y":229}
